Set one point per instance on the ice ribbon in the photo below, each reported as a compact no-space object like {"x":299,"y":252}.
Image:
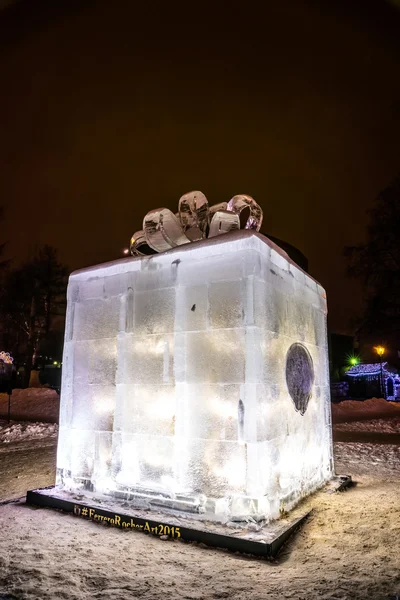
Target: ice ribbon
{"x":194,"y":221}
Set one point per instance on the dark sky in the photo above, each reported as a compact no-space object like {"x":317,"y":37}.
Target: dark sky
{"x":109,"y":109}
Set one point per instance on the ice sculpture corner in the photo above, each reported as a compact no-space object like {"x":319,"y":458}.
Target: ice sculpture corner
{"x":197,"y":379}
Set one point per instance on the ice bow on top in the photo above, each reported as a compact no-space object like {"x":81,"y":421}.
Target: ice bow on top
{"x":194,"y":221}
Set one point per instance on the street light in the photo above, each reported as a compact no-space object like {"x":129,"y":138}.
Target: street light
{"x":380,"y":350}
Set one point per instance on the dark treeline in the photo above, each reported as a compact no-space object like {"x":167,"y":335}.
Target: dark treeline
{"x":377,"y":264}
{"x":33,"y":294}
{"x":32,"y":309}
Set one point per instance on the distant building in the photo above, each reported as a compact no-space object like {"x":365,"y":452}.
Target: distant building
{"x":365,"y":381}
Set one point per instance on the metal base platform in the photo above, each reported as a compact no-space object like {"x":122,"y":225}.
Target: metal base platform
{"x":266,"y":543}
{"x":248,"y":538}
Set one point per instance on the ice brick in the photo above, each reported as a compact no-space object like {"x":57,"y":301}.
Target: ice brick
{"x":319,"y":333}
{"x":228,"y":305}
{"x":116,"y":285}
{"x":279,"y":260}
{"x":274,"y":350}
{"x":96,"y":319}
{"x":94,"y":407}
{"x":95,"y":361}
{"x":213,"y":467}
{"x":146,"y":409}
{"x":215,"y":356}
{"x":92,"y":288}
{"x":82,"y":444}
{"x":271,"y":308}
{"x":66,"y":404}
{"x":145,"y":359}
{"x":208,"y":411}
{"x":155,"y":311}
{"x":64,"y":449}
{"x":271,"y":413}
{"x":127,"y":313}
{"x":300,"y":325}
{"x":145,"y":461}
{"x":227,"y":267}
{"x":254,"y":358}
{"x":102,"y":459}
{"x":191,"y":308}
{"x":156,"y":273}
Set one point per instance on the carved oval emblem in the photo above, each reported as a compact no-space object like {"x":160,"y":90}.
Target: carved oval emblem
{"x":299,"y":376}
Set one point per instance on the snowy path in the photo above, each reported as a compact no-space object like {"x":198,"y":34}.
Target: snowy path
{"x":26,"y":465}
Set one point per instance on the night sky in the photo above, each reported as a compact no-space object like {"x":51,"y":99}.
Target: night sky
{"x":108,"y":110}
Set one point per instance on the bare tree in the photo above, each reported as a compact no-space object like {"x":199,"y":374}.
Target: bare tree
{"x":32,"y":297}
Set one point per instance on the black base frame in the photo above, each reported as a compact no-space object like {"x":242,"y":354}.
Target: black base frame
{"x":268,"y":550}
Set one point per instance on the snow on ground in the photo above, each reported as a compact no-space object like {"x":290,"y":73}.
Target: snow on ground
{"x":34,"y":414}
{"x":355,"y":410}
{"x":348,"y":548}
{"x":32,"y":404}
{"x":389,"y":425}
{"x":371,"y":460}
{"x":16,"y":432}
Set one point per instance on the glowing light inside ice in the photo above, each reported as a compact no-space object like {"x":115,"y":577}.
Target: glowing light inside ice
{"x":199,"y":375}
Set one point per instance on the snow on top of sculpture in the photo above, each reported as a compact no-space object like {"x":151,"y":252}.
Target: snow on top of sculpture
{"x":197,"y":379}
{"x":194,"y":221}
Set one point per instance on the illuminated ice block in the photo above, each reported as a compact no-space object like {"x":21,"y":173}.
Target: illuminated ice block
{"x":197,"y":379}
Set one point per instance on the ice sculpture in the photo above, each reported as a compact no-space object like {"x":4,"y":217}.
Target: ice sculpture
{"x":193,"y":213}
{"x":195,"y":220}
{"x":197,"y":379}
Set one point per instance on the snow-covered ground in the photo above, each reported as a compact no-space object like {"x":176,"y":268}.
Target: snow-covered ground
{"x":16,"y":432}
{"x":391,"y":425}
{"x":34,"y":414}
{"x":348,"y":549}
{"x":32,"y":404}
{"x":355,"y":410}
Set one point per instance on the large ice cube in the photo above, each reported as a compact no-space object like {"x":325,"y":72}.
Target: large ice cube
{"x":198,"y":375}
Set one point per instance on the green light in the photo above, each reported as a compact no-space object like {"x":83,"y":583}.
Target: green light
{"x":352,"y":360}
